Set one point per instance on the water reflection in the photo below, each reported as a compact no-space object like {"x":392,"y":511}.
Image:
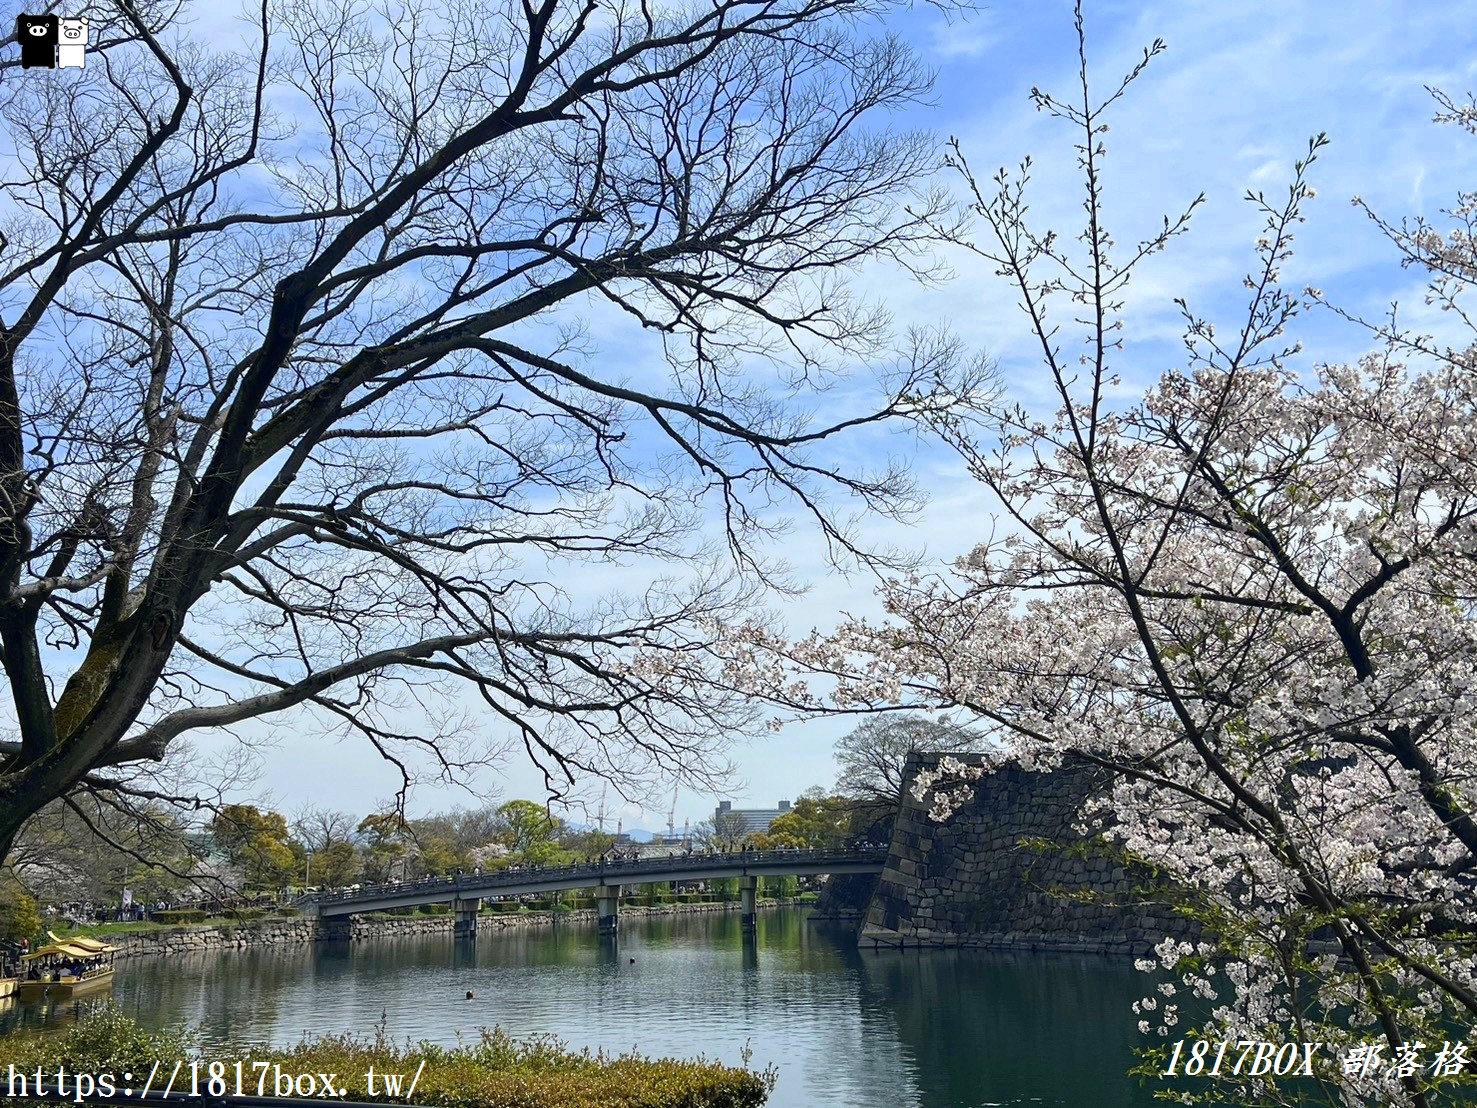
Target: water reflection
{"x":1015,"y":1017}
{"x":953,"y":1029}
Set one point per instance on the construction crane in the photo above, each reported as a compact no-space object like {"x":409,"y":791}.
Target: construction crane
{"x":600,"y":819}
{"x":672,"y":817}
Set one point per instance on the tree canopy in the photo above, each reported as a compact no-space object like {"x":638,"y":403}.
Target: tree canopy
{"x":256,"y":842}
{"x":815,"y":821}
{"x":296,"y":413}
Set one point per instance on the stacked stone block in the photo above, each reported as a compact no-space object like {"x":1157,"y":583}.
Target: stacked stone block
{"x":984,"y":878}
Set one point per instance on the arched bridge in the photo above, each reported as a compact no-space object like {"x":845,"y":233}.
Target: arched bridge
{"x":465,"y":891}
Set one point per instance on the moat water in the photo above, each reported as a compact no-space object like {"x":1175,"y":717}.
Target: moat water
{"x":842,"y":1026}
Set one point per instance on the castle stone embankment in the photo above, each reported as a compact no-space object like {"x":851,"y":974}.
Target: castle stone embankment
{"x":1009,"y":870}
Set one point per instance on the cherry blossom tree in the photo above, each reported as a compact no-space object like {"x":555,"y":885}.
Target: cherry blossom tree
{"x":1250,"y":596}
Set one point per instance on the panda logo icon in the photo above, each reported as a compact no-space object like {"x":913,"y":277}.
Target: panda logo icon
{"x":72,"y":47}
{"x":38,"y":35}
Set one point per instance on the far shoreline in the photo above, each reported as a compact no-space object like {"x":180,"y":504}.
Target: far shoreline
{"x":294,"y":931}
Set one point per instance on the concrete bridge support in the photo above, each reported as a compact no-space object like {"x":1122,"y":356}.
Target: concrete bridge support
{"x":465,"y":925}
{"x":609,"y":901}
{"x":749,"y":902}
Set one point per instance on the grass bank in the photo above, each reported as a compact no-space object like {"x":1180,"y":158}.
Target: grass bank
{"x":495,"y":1071}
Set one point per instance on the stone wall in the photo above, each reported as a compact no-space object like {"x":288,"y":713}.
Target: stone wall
{"x":357,"y":928}
{"x":844,"y":897}
{"x":980,"y":879}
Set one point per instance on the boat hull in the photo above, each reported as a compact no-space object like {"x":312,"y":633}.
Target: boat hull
{"x":66,"y":988}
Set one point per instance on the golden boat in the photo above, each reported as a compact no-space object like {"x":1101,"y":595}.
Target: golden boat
{"x":66,"y":968}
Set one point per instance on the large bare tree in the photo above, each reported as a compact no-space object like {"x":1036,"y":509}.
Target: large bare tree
{"x":295,"y":412}
{"x":873,"y":757}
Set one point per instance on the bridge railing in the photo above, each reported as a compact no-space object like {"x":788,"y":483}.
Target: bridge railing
{"x":675,"y":865}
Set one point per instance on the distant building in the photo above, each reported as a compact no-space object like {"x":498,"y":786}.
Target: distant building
{"x":754,"y":819}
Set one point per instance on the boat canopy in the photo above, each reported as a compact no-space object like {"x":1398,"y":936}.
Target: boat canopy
{"x":80,"y":940}
{"x":71,"y":948}
{"x":84,"y":941}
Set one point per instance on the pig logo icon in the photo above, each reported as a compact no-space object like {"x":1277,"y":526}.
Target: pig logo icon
{"x":72,"y":44}
{"x":38,"y":35}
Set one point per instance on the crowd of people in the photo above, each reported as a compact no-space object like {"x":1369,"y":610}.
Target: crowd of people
{"x":77,"y":913}
{"x":614,"y":855}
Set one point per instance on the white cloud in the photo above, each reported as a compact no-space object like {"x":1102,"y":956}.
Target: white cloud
{"x":960,"y":37}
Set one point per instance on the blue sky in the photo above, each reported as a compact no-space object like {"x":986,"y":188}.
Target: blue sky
{"x":1229,"y":106}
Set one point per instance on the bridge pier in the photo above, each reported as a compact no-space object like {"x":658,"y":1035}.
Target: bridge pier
{"x":749,"y":902}
{"x":609,"y":901}
{"x":465,"y":924}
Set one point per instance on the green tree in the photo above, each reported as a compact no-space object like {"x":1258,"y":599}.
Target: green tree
{"x":816,"y":822}
{"x":549,"y":853}
{"x":336,"y":864}
{"x":256,"y":843}
{"x":585,"y":844}
{"x":440,"y":856}
{"x":527,"y":829}
{"x":466,"y":828}
{"x":20,"y":918}
{"x":386,"y":845}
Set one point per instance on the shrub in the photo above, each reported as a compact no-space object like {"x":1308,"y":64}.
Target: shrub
{"x":494,"y":1071}
{"x":103,"y":1039}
